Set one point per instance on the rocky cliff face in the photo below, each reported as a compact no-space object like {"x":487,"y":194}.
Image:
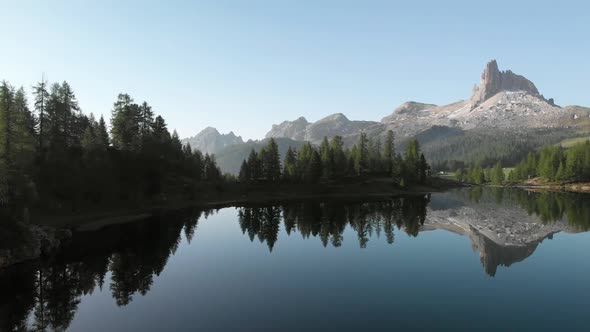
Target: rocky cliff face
{"x":333,"y":125}
{"x":292,"y":129}
{"x":503,"y":100}
{"x":209,"y":140}
{"x":494,"y":81}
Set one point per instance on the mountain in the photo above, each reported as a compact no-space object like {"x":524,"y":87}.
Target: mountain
{"x":503,"y":99}
{"x":494,"y":81}
{"x":504,"y":117}
{"x":209,"y":140}
{"x":295,"y":130}
{"x":330,"y":126}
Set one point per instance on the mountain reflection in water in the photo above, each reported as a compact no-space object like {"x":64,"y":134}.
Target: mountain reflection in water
{"x":505,"y":226}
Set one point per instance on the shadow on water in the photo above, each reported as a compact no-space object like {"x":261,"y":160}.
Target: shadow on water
{"x":44,"y":295}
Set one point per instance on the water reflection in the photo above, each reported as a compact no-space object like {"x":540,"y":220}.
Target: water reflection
{"x":49,"y":292}
{"x":504,"y":226}
{"x":328,"y":220}
{"x":548,"y":206}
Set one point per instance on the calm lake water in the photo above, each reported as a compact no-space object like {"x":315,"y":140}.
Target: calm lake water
{"x":470,"y":259}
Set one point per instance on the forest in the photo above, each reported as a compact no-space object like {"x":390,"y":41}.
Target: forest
{"x":552,"y":163}
{"x":449,"y":148}
{"x":331,"y":161}
{"x":55,"y":157}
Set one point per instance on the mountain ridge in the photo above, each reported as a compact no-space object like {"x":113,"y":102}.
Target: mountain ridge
{"x":503,"y":102}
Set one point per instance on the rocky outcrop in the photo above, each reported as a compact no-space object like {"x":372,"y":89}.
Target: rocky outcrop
{"x":494,"y":81}
{"x":209,"y":140}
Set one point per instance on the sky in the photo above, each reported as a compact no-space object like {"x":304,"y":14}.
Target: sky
{"x":244,"y":65}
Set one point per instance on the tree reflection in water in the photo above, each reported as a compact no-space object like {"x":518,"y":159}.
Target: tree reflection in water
{"x":50,"y":291}
{"x":327,"y":220}
{"x":45,"y":295}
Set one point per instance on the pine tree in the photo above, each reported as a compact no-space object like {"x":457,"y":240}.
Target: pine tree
{"x":412,"y":162}
{"x":146,"y":120}
{"x":244,"y":175}
{"x":290,"y":165}
{"x":362,"y":155}
{"x":40,"y":103}
{"x":314,"y":170}
{"x":398,"y":169}
{"x":102,"y":133}
{"x":25,"y":129}
{"x":561,"y":172}
{"x":271,"y":164}
{"x":303,"y":160}
{"x":327,"y":159}
{"x":497,"y":176}
{"x":125,"y":124}
{"x":339,"y":160}
{"x":159,"y":131}
{"x":7,"y":123}
{"x":424,"y":169}
{"x":388,"y":153}
{"x":72,"y":130}
{"x":254,"y":166}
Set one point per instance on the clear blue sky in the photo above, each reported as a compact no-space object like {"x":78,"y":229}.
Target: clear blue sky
{"x":244,"y":65}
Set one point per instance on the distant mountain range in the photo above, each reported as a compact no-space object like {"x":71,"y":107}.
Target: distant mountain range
{"x":504,"y":117}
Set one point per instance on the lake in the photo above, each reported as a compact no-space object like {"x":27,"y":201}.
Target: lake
{"x":468,"y":259}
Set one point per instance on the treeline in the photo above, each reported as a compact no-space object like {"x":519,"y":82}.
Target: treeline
{"x":55,"y":157}
{"x":448,"y":148}
{"x":478,"y":175}
{"x":332,"y":161}
{"x":554,"y":163}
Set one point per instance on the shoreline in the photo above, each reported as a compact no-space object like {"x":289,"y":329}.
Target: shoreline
{"x":579,"y":188}
{"x":254,"y":194}
{"x":46,"y":233}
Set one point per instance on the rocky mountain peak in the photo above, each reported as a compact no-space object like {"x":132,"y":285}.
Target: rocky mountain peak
{"x":494,"y":81}
{"x":210,"y":140}
{"x":209,"y":131}
{"x":293,"y":129}
{"x":336,"y":117}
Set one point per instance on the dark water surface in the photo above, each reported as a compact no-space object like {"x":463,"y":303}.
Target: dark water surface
{"x":477,"y":259}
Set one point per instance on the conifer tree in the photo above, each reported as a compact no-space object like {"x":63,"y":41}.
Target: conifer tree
{"x":388,"y":154}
